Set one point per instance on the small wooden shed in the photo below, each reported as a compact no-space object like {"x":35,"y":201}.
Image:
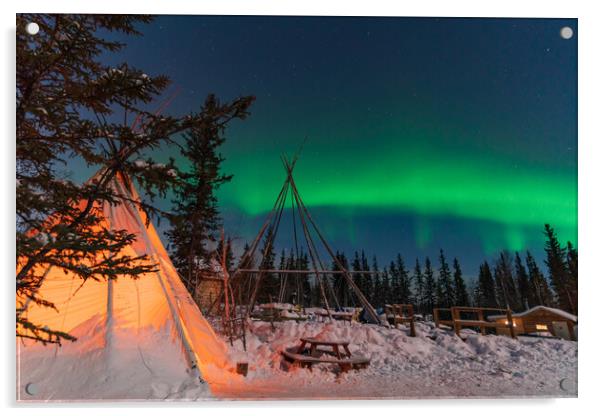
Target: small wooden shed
{"x":540,"y":319}
{"x":208,"y":289}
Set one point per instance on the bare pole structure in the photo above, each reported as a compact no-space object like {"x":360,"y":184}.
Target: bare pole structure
{"x":365,"y":303}
{"x":251,"y":252}
{"x":269,"y":245}
{"x":226,"y":277}
{"x":310,"y":246}
{"x":310,"y":242}
{"x":273,"y":221}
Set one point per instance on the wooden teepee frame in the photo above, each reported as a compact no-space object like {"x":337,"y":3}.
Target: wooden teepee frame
{"x":308,"y":225}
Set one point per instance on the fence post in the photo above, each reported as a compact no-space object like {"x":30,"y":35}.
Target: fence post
{"x":481,"y":318}
{"x":510,"y":322}
{"x":455,"y":316}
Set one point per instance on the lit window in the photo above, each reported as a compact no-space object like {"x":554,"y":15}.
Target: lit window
{"x":506,"y":323}
{"x":541,"y":327}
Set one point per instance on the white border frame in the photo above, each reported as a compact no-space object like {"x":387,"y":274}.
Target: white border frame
{"x":590,"y":207}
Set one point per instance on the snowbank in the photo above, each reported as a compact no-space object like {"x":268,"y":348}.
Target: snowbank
{"x":435,"y":364}
{"x":87,"y":370}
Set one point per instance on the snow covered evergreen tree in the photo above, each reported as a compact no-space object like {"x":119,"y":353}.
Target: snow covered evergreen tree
{"x":540,"y":290}
{"x":445,"y":290}
{"x":386,"y":288}
{"x":377,"y":292}
{"x":419,"y":288}
{"x":72,"y":105}
{"x":460,"y":291}
{"x":522,"y":283}
{"x":394,"y":283}
{"x":195,"y":217}
{"x":507,"y":293}
{"x":368,"y":284}
{"x":340,"y":286}
{"x":430,"y":287}
{"x":268,"y":287}
{"x":405,"y":283}
{"x":556,"y":260}
{"x":486,"y":291}
{"x":571,"y":259}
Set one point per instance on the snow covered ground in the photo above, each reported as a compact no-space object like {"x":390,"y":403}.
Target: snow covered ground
{"x":435,"y":364}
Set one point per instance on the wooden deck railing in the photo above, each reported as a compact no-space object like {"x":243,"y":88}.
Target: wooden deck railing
{"x":457,"y":323}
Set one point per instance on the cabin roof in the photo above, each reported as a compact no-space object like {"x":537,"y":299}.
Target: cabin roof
{"x":555,"y":311}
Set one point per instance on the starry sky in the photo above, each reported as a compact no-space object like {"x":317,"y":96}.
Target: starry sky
{"x":420,"y":133}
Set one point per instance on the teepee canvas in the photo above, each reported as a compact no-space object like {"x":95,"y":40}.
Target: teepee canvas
{"x":136,"y":338}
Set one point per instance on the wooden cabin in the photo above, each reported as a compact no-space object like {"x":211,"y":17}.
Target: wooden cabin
{"x":540,"y":319}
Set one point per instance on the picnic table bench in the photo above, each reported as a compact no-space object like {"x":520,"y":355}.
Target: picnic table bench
{"x":338,"y":354}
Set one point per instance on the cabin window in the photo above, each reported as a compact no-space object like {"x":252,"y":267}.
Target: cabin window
{"x":541,"y":327}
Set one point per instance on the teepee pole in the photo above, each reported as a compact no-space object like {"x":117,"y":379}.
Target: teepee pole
{"x":310,"y":240}
{"x":226,"y":278}
{"x":312,"y":249}
{"x":365,"y":303}
{"x":269,"y":244}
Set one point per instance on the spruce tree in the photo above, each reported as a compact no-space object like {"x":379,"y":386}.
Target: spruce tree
{"x":303,"y":264}
{"x":522,"y":283}
{"x":268,"y":286}
{"x":293,"y":283}
{"x":345,"y":288}
{"x":445,"y":288}
{"x":356,"y":265}
{"x":71,"y":105}
{"x":419,"y":288}
{"x":430,"y":287}
{"x":368,"y":284}
{"x":486,"y":290}
{"x":558,"y":269}
{"x":245,"y":284}
{"x":540,"y":290}
{"x":195,"y":217}
{"x":386,"y":288}
{"x":405,"y":283}
{"x":507,"y":293}
{"x":571,"y":259}
{"x":460,"y":292}
{"x":340,"y":286}
{"x":394,"y":283}
{"x":377,"y":292}
{"x":282,"y":277}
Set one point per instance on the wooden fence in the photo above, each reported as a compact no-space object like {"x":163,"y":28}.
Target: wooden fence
{"x":402,"y":314}
{"x":457,"y":323}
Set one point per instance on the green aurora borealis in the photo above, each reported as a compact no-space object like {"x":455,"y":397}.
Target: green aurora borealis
{"x":413,"y":181}
{"x":420,"y":134}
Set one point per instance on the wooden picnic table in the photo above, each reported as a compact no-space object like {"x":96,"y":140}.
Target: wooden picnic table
{"x":334,"y":345}
{"x":339,"y":354}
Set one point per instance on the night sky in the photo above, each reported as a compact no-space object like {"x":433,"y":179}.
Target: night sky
{"x":422,"y":133}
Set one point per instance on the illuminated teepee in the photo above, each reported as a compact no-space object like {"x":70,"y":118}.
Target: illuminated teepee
{"x":134,"y":336}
